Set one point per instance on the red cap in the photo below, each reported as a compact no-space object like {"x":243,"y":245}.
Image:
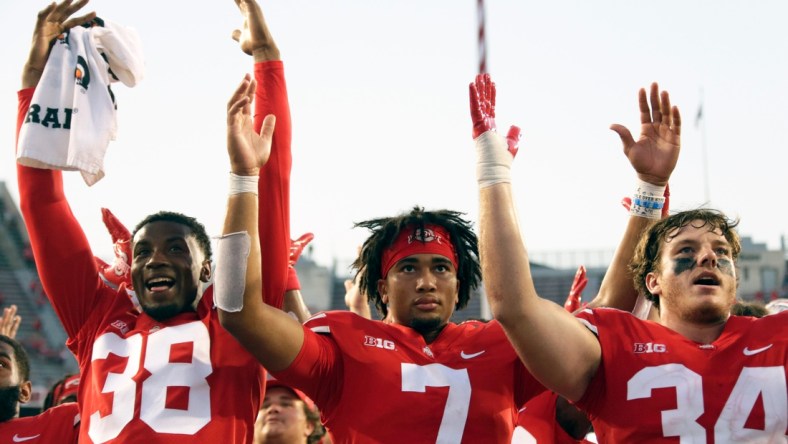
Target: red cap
{"x":69,"y":387}
{"x":273,"y":382}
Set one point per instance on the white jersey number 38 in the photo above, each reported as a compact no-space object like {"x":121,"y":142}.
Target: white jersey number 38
{"x":767,"y":382}
{"x":163,"y":374}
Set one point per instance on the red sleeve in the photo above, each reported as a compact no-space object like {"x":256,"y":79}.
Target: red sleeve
{"x":63,"y":257}
{"x":317,"y":370}
{"x":274,"y":187}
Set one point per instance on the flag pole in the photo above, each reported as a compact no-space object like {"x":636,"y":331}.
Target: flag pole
{"x":702,"y":122}
{"x":481,"y":42}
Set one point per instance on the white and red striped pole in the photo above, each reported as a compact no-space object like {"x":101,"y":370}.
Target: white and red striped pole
{"x":482,"y":44}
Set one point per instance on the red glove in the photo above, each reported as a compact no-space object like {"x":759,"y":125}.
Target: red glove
{"x":573,"y":301}
{"x":627,"y":202}
{"x":482,"y":95}
{"x":120,"y":271}
{"x":296,"y":248}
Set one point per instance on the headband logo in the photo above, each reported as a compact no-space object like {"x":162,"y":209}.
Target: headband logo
{"x":426,"y":235}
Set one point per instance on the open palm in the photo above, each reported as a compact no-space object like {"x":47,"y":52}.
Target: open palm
{"x":655,"y":153}
{"x":248,"y":150}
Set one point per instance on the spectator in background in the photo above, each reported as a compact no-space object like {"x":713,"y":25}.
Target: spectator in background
{"x":63,"y":391}
{"x":753,"y":308}
{"x":777,"y":306}
{"x":287,"y":416}
{"x":55,"y":426}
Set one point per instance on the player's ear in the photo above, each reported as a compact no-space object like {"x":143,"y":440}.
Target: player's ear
{"x":309,"y":429}
{"x":25,"y":392}
{"x":653,"y":285}
{"x":457,"y":293}
{"x":383,"y":291}
{"x":205,"y":271}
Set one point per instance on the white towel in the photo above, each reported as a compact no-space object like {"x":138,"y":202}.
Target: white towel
{"x":72,"y":116}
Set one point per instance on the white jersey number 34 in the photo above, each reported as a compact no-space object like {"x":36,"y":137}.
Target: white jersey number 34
{"x":767,"y":382}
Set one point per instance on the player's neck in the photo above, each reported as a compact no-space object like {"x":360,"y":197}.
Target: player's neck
{"x":432,"y":335}
{"x":700,"y":332}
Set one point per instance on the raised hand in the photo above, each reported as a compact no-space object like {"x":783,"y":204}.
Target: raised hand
{"x":493,"y":162}
{"x":482,"y":99}
{"x":51,"y":22}
{"x":9,"y":322}
{"x":255,"y":37}
{"x":655,"y":153}
{"x":248,"y":150}
{"x":573,"y":301}
{"x":297,"y":247}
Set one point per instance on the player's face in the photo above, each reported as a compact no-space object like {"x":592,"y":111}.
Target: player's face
{"x":421,"y":291}
{"x":9,"y":383}
{"x":167,"y":268}
{"x":282,"y":418}
{"x":696,"y":280}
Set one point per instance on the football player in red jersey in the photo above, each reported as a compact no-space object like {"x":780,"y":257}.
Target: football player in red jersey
{"x":171,"y":373}
{"x":416,"y":377}
{"x":698,"y":374}
{"x":57,"y":425}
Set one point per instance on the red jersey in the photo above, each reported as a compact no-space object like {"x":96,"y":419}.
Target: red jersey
{"x":183,"y":380}
{"x":381,"y":383}
{"x":58,"y":425}
{"x":537,"y":423}
{"x":655,"y":385}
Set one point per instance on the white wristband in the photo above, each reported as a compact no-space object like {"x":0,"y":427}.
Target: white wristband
{"x":648,"y":201}
{"x":243,"y":184}
{"x":232,"y":253}
{"x":493,"y":159}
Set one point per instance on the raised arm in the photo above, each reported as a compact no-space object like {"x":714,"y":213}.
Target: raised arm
{"x":272,"y":336}
{"x":559,"y":351}
{"x":256,"y":40}
{"x":62,"y":254}
{"x":653,"y":157}
{"x":555,"y":347}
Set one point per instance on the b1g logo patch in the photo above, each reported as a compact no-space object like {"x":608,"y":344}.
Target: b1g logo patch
{"x":379,"y":343}
{"x":649,"y":347}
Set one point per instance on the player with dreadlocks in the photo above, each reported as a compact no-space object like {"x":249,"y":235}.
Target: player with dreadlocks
{"x":416,"y":376}
{"x":386,"y":230}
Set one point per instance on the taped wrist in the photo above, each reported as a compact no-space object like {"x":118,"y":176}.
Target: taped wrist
{"x":493,"y":159}
{"x":648,"y":201}
{"x":232,"y":253}
{"x":243,"y":184}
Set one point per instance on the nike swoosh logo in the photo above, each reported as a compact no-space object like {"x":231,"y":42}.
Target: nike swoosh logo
{"x":18,"y":438}
{"x":471,"y":355}
{"x":748,"y":352}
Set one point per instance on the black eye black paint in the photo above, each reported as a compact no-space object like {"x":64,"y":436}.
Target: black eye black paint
{"x":725,"y":266}
{"x":683,"y":264}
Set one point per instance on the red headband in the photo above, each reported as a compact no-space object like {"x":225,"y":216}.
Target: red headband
{"x":433,"y":240}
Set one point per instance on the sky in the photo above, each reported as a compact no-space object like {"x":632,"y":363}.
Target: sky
{"x":378,"y":93}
